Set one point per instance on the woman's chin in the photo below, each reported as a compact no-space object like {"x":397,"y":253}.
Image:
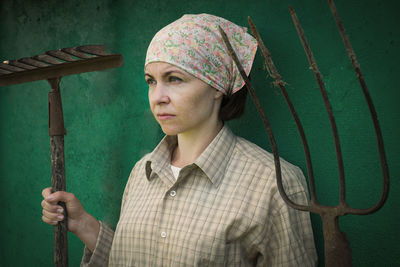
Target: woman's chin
{"x":169,"y":130}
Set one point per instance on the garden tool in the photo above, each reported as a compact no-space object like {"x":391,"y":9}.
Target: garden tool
{"x":337,"y":247}
{"x":52,"y":66}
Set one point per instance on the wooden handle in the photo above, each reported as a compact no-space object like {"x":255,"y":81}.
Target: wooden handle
{"x":58,"y":184}
{"x":57,"y":132}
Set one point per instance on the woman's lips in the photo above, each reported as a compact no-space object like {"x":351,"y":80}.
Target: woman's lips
{"x":164,"y":116}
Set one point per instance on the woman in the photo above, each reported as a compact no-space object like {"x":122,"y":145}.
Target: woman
{"x":203,"y":197}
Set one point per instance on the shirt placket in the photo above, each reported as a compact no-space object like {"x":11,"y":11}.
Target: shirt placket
{"x":165,"y":221}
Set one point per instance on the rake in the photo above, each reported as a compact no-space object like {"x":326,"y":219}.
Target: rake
{"x":52,"y":66}
{"x":336,"y":243}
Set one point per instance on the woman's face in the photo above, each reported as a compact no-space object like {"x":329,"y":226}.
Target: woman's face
{"x":181,"y":103}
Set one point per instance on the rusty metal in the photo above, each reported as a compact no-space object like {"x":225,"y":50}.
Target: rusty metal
{"x":58,"y":63}
{"x":374,"y":116}
{"x":52,"y":66}
{"x":256,"y":102}
{"x":56,"y":119}
{"x":337,"y":247}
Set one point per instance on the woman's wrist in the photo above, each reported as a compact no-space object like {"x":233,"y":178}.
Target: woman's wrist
{"x":88,"y":231}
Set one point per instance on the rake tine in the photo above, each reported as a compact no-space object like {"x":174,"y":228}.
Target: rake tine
{"x":3,"y":71}
{"x":76,"y":53}
{"x":10,"y":68}
{"x":265,"y":121}
{"x":281,"y":84}
{"x":33,"y":62}
{"x":382,"y":155}
{"x":328,"y":106}
{"x":19,"y":64}
{"x":61,"y":55}
{"x":97,"y":50}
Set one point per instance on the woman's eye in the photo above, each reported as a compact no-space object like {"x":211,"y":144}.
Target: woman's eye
{"x":150,"y":81}
{"x":174,"y":79}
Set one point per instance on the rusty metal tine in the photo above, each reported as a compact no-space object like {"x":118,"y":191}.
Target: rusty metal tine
{"x":21,"y":65}
{"x":74,"y":52}
{"x":10,"y":68}
{"x":98,"y":50}
{"x":47,"y":59}
{"x":382,"y":155}
{"x":281,"y":84}
{"x":61,"y":55}
{"x":266,"y":124}
{"x":328,"y":106}
{"x":33,"y":62}
{"x":3,"y":71}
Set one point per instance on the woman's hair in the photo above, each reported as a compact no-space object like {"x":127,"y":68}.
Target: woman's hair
{"x":233,"y":106}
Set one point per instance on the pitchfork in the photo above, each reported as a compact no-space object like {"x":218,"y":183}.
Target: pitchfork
{"x":337,"y":247}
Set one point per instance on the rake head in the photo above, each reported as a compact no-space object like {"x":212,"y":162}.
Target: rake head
{"x":57,"y":63}
{"x":337,"y":248}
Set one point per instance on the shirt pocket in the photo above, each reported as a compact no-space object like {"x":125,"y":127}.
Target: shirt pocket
{"x":196,"y":249}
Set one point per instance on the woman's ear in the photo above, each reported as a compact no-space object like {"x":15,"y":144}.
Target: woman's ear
{"x":218,"y":94}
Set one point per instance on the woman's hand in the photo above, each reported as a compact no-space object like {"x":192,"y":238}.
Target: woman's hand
{"x":81,"y":223}
{"x":53,"y":213}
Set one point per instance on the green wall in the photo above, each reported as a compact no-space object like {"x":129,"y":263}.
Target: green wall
{"x":109,"y":125}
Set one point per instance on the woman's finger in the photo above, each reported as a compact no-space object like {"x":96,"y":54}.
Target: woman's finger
{"x":57,"y":196}
{"x":51,"y":207}
{"x":46,"y":192}
{"x":49,"y":221}
{"x":53,"y":216}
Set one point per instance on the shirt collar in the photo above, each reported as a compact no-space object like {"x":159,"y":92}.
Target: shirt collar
{"x":212,"y":161}
{"x":160,"y":159}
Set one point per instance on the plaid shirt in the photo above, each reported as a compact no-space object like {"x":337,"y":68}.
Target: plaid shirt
{"x":223,"y":210}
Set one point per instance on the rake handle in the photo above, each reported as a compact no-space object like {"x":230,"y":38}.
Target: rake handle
{"x":57,"y":132}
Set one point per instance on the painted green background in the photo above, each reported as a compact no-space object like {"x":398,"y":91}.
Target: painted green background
{"x":109,"y":125}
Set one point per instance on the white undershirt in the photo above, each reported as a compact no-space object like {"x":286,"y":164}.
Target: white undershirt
{"x":175,"y":171}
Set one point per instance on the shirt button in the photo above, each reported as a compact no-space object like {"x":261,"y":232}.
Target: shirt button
{"x":172,"y":193}
{"x":163,"y":234}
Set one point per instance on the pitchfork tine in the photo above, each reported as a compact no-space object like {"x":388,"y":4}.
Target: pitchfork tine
{"x":279,"y":82}
{"x":256,"y":102}
{"x":328,"y":106}
{"x":265,"y":121}
{"x":382,"y":155}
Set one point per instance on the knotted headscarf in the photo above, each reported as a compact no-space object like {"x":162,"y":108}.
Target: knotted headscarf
{"x":194,"y":44}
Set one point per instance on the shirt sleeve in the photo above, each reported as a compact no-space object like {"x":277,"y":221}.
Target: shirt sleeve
{"x":99,"y":257}
{"x":290,"y":240}
{"x":287,"y":238}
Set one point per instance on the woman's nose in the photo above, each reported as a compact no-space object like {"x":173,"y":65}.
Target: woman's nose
{"x":159,"y":94}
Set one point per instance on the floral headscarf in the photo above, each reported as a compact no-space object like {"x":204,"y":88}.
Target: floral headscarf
{"x":194,"y":44}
